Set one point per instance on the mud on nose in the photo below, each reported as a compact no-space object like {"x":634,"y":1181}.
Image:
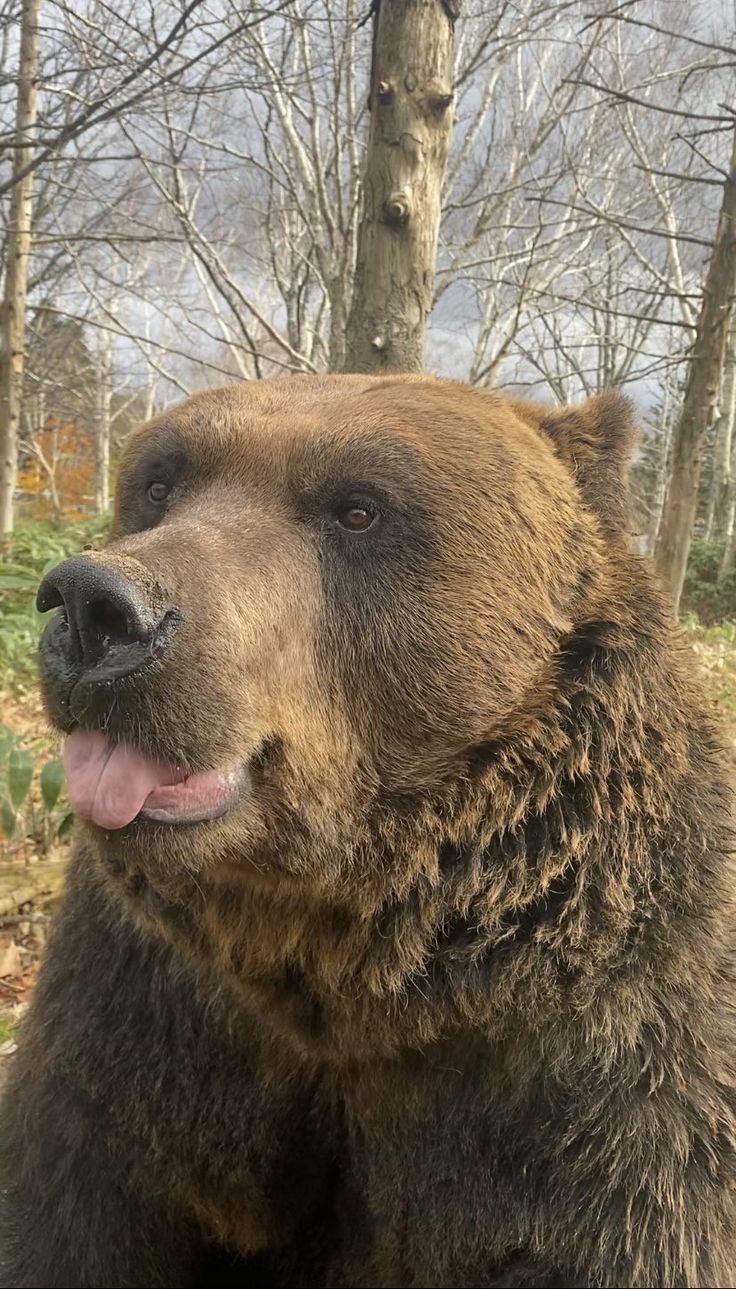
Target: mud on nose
{"x":105,"y":617}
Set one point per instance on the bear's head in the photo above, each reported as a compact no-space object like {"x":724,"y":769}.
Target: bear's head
{"x":322,"y":595}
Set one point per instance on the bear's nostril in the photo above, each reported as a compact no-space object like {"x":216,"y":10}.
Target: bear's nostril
{"x":110,"y":621}
{"x":49,"y":597}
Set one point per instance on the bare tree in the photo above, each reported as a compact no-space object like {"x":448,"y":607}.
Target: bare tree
{"x":204,"y":215}
{"x":700,"y":396}
{"x":13,"y":308}
{"x":103,"y":420}
{"x":723,"y":432}
{"x":727,"y":482}
{"x":94,"y":69}
{"x":408,"y":143}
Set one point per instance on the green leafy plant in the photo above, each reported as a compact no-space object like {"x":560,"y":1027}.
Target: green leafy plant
{"x":713,"y":601}
{"x":16,"y":577}
{"x":7,"y":1029}
{"x":33,"y":805}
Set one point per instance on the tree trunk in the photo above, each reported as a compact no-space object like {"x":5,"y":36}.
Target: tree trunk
{"x":13,"y":309}
{"x":728,"y":518}
{"x":700,"y":397}
{"x":408,"y":142}
{"x":723,"y":449}
{"x":53,"y":466}
{"x":729,"y":546}
{"x":103,"y":403}
{"x":338,"y":325}
{"x":664,"y":450}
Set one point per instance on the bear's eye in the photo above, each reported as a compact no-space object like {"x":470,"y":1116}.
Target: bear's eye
{"x":356,"y":518}
{"x":157,"y":492}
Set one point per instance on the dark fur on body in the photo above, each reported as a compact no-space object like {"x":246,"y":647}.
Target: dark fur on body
{"x":449,"y":1001}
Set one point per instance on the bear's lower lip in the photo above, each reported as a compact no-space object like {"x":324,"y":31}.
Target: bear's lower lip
{"x":200,"y":797}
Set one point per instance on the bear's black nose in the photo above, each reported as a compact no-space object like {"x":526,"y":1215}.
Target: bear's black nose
{"x":106,"y":621}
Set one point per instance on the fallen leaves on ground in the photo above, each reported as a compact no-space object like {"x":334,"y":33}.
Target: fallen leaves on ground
{"x":22,"y":940}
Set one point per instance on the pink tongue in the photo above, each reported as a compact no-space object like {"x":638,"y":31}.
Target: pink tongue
{"x":110,"y":783}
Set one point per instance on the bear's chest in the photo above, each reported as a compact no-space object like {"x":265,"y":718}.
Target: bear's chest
{"x":432,"y":1182}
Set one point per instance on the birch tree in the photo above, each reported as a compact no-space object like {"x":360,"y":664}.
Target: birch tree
{"x":18,"y":248}
{"x":723,"y":446}
{"x":701,"y":394}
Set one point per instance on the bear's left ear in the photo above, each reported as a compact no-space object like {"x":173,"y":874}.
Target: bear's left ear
{"x":596,"y":441}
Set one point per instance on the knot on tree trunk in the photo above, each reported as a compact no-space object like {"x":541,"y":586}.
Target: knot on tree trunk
{"x":397,"y":209}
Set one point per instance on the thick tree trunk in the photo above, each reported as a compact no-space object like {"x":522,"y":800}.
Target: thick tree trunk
{"x":408,"y":143}
{"x":701,"y":394}
{"x":103,"y":405}
{"x":13,"y":310}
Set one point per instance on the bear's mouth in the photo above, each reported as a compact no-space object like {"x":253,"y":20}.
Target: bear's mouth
{"x":111,"y":784}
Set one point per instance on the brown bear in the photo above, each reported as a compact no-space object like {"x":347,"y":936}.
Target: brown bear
{"x":397,"y":946}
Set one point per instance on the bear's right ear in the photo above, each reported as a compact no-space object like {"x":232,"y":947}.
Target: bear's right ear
{"x":596,"y":441}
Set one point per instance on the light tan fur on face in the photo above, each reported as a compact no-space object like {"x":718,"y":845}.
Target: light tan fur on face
{"x":368,"y":715}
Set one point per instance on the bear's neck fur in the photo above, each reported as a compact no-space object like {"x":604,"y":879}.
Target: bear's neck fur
{"x":585,"y":841}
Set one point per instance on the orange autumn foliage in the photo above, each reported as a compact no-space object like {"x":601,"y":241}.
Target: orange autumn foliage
{"x":57,"y":475}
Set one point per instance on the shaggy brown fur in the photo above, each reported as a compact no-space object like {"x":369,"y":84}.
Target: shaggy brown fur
{"x":447,"y":999}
